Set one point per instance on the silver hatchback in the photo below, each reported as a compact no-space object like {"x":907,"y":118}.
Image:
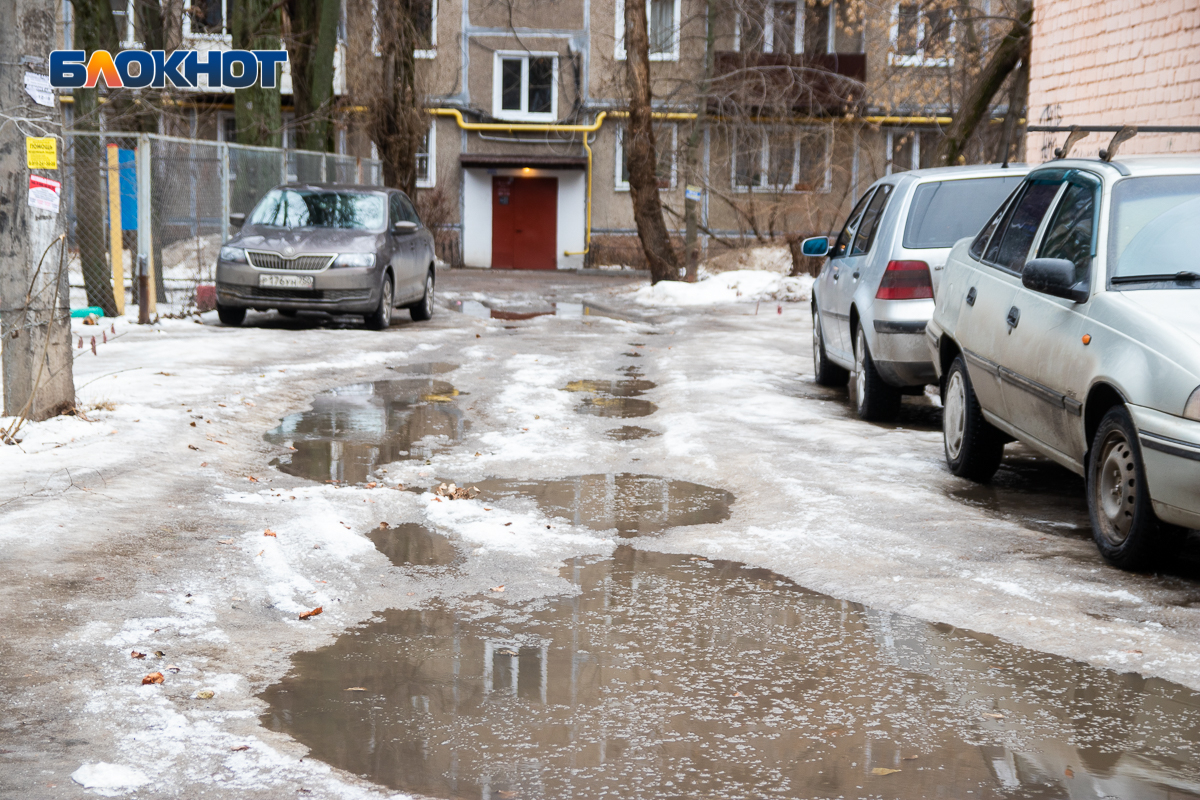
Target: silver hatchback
{"x":340,"y":249}
{"x":875,"y":293}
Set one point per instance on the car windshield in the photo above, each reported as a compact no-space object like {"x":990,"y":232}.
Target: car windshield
{"x":945,"y":211}
{"x":314,"y":208}
{"x":1155,"y":229}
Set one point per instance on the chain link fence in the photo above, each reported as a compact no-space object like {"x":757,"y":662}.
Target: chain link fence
{"x":169,"y":199}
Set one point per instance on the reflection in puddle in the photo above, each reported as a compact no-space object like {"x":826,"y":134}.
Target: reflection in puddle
{"x":633,"y":504}
{"x":627,"y":433}
{"x":351,"y":430}
{"x":474,"y":308}
{"x":1035,"y":492}
{"x":412,"y":544}
{"x":669,"y":676}
{"x":617,"y":398}
{"x":425,"y":368}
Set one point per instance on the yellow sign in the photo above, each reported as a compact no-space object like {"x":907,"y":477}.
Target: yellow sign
{"x":41,"y":153}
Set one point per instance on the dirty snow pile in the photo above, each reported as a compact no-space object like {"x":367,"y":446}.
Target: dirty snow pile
{"x":738,"y":286}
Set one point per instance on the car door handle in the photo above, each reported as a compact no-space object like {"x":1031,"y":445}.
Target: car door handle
{"x":1014,"y":316}
{"x":971,"y":296}
{"x":854,"y":275}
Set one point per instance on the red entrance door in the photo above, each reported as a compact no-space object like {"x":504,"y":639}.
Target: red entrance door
{"x":524,"y":223}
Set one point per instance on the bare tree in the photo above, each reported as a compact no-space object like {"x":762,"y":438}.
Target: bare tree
{"x":399,"y":121}
{"x":256,"y":26}
{"x":311,"y":45}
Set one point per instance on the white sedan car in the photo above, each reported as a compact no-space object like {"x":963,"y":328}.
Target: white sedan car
{"x":1072,"y":323}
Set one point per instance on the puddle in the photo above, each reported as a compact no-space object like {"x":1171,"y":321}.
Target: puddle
{"x":635,"y":505}
{"x":425,"y":368}
{"x":411,"y":544}
{"x":351,"y":430}
{"x":616,"y":398}
{"x":627,"y":433}
{"x":669,"y":676}
{"x":1034,"y":492}
{"x":474,"y":308}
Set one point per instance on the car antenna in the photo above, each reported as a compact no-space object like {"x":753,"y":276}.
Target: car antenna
{"x":1125,"y":134}
{"x":1074,"y":136}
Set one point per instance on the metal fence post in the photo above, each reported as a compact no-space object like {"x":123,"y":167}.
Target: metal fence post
{"x":223,"y":149}
{"x":145,"y":236}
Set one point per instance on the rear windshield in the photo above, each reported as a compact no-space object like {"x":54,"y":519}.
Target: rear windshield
{"x":309,"y":208}
{"x":946,"y":211}
{"x":1155,"y":228}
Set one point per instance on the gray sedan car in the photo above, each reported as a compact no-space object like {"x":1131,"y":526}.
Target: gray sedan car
{"x":339,"y":249}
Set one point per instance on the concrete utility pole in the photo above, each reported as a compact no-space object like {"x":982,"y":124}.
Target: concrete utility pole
{"x":35,"y":331}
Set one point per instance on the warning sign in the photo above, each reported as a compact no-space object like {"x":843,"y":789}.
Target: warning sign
{"x":44,"y":193}
{"x":41,"y":153}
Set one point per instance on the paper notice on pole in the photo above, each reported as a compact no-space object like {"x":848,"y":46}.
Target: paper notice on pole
{"x":44,"y":193}
{"x":692,"y":193}
{"x":38,"y":87}
{"x":41,"y":153}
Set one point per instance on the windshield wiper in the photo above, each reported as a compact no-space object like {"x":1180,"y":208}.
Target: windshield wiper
{"x":1178,"y":277}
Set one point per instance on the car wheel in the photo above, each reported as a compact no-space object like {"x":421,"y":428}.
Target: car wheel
{"x":230,"y":315}
{"x":875,"y":399}
{"x":974,"y":447}
{"x":422,"y":310}
{"x":381,"y":319}
{"x":1124,"y":525}
{"x":286,"y":312}
{"x":825,"y":371}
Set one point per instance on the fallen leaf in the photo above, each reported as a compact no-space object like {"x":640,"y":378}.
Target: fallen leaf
{"x":269,"y":532}
{"x":204,"y":463}
{"x":207,"y":694}
{"x":478,"y":454}
{"x":506,"y":794}
{"x":172,"y":668}
{"x":192,"y":447}
{"x":260,"y":552}
{"x":193,"y":424}
{"x":222,"y":405}
{"x":507,"y":524}
{"x":487,"y":509}
{"x":994,"y":716}
{"x":163,"y":373}
{"x":252,"y":479}
{"x":910,"y":758}
{"x":224,"y":541}
{"x":1070,"y":773}
{"x":383,"y":525}
{"x":883,"y":771}
{"x":371,"y":485}
{"x":499,"y":588}
{"x":239,"y":748}
{"x":313,"y":613}
{"x":153,"y":677}
{"x":1136,"y":652}
{"x":355,"y":689}
{"x":159,"y":653}
{"x":136,"y":654}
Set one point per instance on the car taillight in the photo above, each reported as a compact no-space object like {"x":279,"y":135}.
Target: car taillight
{"x":905,"y":280}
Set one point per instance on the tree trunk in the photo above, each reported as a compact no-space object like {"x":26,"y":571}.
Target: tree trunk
{"x":978,"y":98}
{"x":256,"y":26}
{"x":399,"y":122}
{"x":310,"y":51}
{"x":34,"y":303}
{"x":691,"y":208}
{"x":640,"y":151}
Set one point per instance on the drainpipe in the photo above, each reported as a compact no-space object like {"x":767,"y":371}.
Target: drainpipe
{"x":513,"y":127}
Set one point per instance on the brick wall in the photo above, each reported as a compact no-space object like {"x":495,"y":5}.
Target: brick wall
{"x":1115,"y":62}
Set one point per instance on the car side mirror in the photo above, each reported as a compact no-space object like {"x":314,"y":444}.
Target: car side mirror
{"x":404,"y":226}
{"x":815,"y":246}
{"x":237,"y":220}
{"x":1053,"y":276}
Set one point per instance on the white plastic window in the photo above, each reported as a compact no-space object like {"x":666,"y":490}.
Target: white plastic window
{"x":662,"y":22}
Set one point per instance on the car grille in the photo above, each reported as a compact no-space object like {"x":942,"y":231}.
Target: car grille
{"x":327,"y":295}
{"x":263,"y":260}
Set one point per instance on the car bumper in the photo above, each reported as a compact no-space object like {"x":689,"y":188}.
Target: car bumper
{"x":348,"y":290}
{"x":1171,"y":452}
{"x":897,"y":339}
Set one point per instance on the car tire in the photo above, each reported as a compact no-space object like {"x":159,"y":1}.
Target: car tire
{"x":231,"y":315}
{"x":1124,"y":525}
{"x":825,"y":371}
{"x":974,"y":447}
{"x":422,"y":310}
{"x":875,"y":399}
{"x":381,"y":318}
{"x":286,"y":312}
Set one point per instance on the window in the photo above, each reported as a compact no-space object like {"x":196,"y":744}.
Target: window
{"x":1010,"y":246}
{"x":781,"y":160}
{"x":911,"y":149}
{"x":425,"y":15}
{"x":1072,"y":231}
{"x":204,"y":17}
{"x":773,"y":27}
{"x":427,"y":159}
{"x":1153,"y":226}
{"x":302,"y":208}
{"x":870,"y":221}
{"x":942,"y":212}
{"x":665,"y":143}
{"x":662,"y":23}
{"x":847,"y":234}
{"x":818,"y":23}
{"x":922,"y":36}
{"x":523,"y":86}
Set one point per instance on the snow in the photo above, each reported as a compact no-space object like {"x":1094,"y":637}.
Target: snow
{"x":736,"y":286}
{"x":108,"y":777}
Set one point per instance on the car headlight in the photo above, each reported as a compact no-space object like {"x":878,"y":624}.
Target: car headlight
{"x":234,"y":255}
{"x":1191,"y":409}
{"x":355,"y":260}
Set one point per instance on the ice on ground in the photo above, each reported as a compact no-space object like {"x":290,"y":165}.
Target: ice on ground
{"x":108,"y":777}
{"x":737,"y":286}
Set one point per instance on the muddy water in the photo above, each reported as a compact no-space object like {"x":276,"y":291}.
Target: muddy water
{"x":627,"y":433}
{"x":351,"y":430}
{"x":636,"y":505}
{"x":425,"y":368}
{"x":669,"y":676}
{"x":1035,"y":492}
{"x":617,"y":399}
{"x":413,"y":545}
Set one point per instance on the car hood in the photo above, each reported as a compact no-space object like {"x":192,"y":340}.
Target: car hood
{"x":306,"y":240}
{"x":1176,"y":308}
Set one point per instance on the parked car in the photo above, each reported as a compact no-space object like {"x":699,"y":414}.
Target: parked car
{"x":875,"y":292}
{"x":1071,"y":323}
{"x":340,"y":249}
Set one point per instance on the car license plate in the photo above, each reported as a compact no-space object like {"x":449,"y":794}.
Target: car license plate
{"x":286,"y":281}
